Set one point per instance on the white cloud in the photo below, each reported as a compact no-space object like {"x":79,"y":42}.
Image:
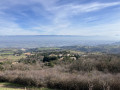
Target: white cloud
{"x":110,"y":29}
{"x":65,"y":11}
{"x":8,"y":27}
{"x":59,"y":15}
{"x":62,"y":14}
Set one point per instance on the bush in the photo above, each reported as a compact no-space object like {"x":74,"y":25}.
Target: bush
{"x":53,"y":78}
{"x":83,"y":65}
{"x":103,"y":63}
{"x":49,"y":58}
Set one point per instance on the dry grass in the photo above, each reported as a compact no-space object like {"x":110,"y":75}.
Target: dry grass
{"x":54,"y":78}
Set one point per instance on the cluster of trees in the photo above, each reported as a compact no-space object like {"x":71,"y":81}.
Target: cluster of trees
{"x":37,"y":58}
{"x":43,"y":56}
{"x":49,"y":58}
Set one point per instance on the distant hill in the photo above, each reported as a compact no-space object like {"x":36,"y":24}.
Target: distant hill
{"x":116,"y":43}
{"x":111,"y":49}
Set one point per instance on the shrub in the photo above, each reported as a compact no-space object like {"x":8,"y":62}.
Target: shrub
{"x":83,"y":65}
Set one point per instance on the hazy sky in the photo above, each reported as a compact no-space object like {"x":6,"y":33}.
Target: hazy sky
{"x":60,"y":17}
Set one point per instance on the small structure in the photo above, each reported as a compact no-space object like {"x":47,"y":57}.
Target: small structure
{"x":68,"y":55}
{"x":53,"y":55}
{"x":73,"y":58}
{"x":61,"y":58}
{"x":23,"y":49}
{"x":84,"y":55}
{"x":14,"y":63}
{"x":60,"y":55}
{"x":17,"y":55}
{"x":27,"y":54}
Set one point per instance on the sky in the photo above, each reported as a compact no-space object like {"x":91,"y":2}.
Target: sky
{"x":60,"y":17}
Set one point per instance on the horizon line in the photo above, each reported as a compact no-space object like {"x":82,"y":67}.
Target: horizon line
{"x":59,"y":35}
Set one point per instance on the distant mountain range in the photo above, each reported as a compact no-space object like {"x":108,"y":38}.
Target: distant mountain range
{"x":36,"y":41}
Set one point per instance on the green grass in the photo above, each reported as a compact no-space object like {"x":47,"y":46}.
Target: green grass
{"x":7,"y":51}
{"x":12,"y":57}
{"x":40,"y":89}
{"x":2,"y":88}
{"x":12,"y":86}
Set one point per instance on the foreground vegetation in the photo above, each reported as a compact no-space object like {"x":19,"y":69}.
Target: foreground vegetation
{"x":64,"y":70}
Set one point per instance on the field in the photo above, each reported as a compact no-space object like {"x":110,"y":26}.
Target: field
{"x":11,"y":57}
